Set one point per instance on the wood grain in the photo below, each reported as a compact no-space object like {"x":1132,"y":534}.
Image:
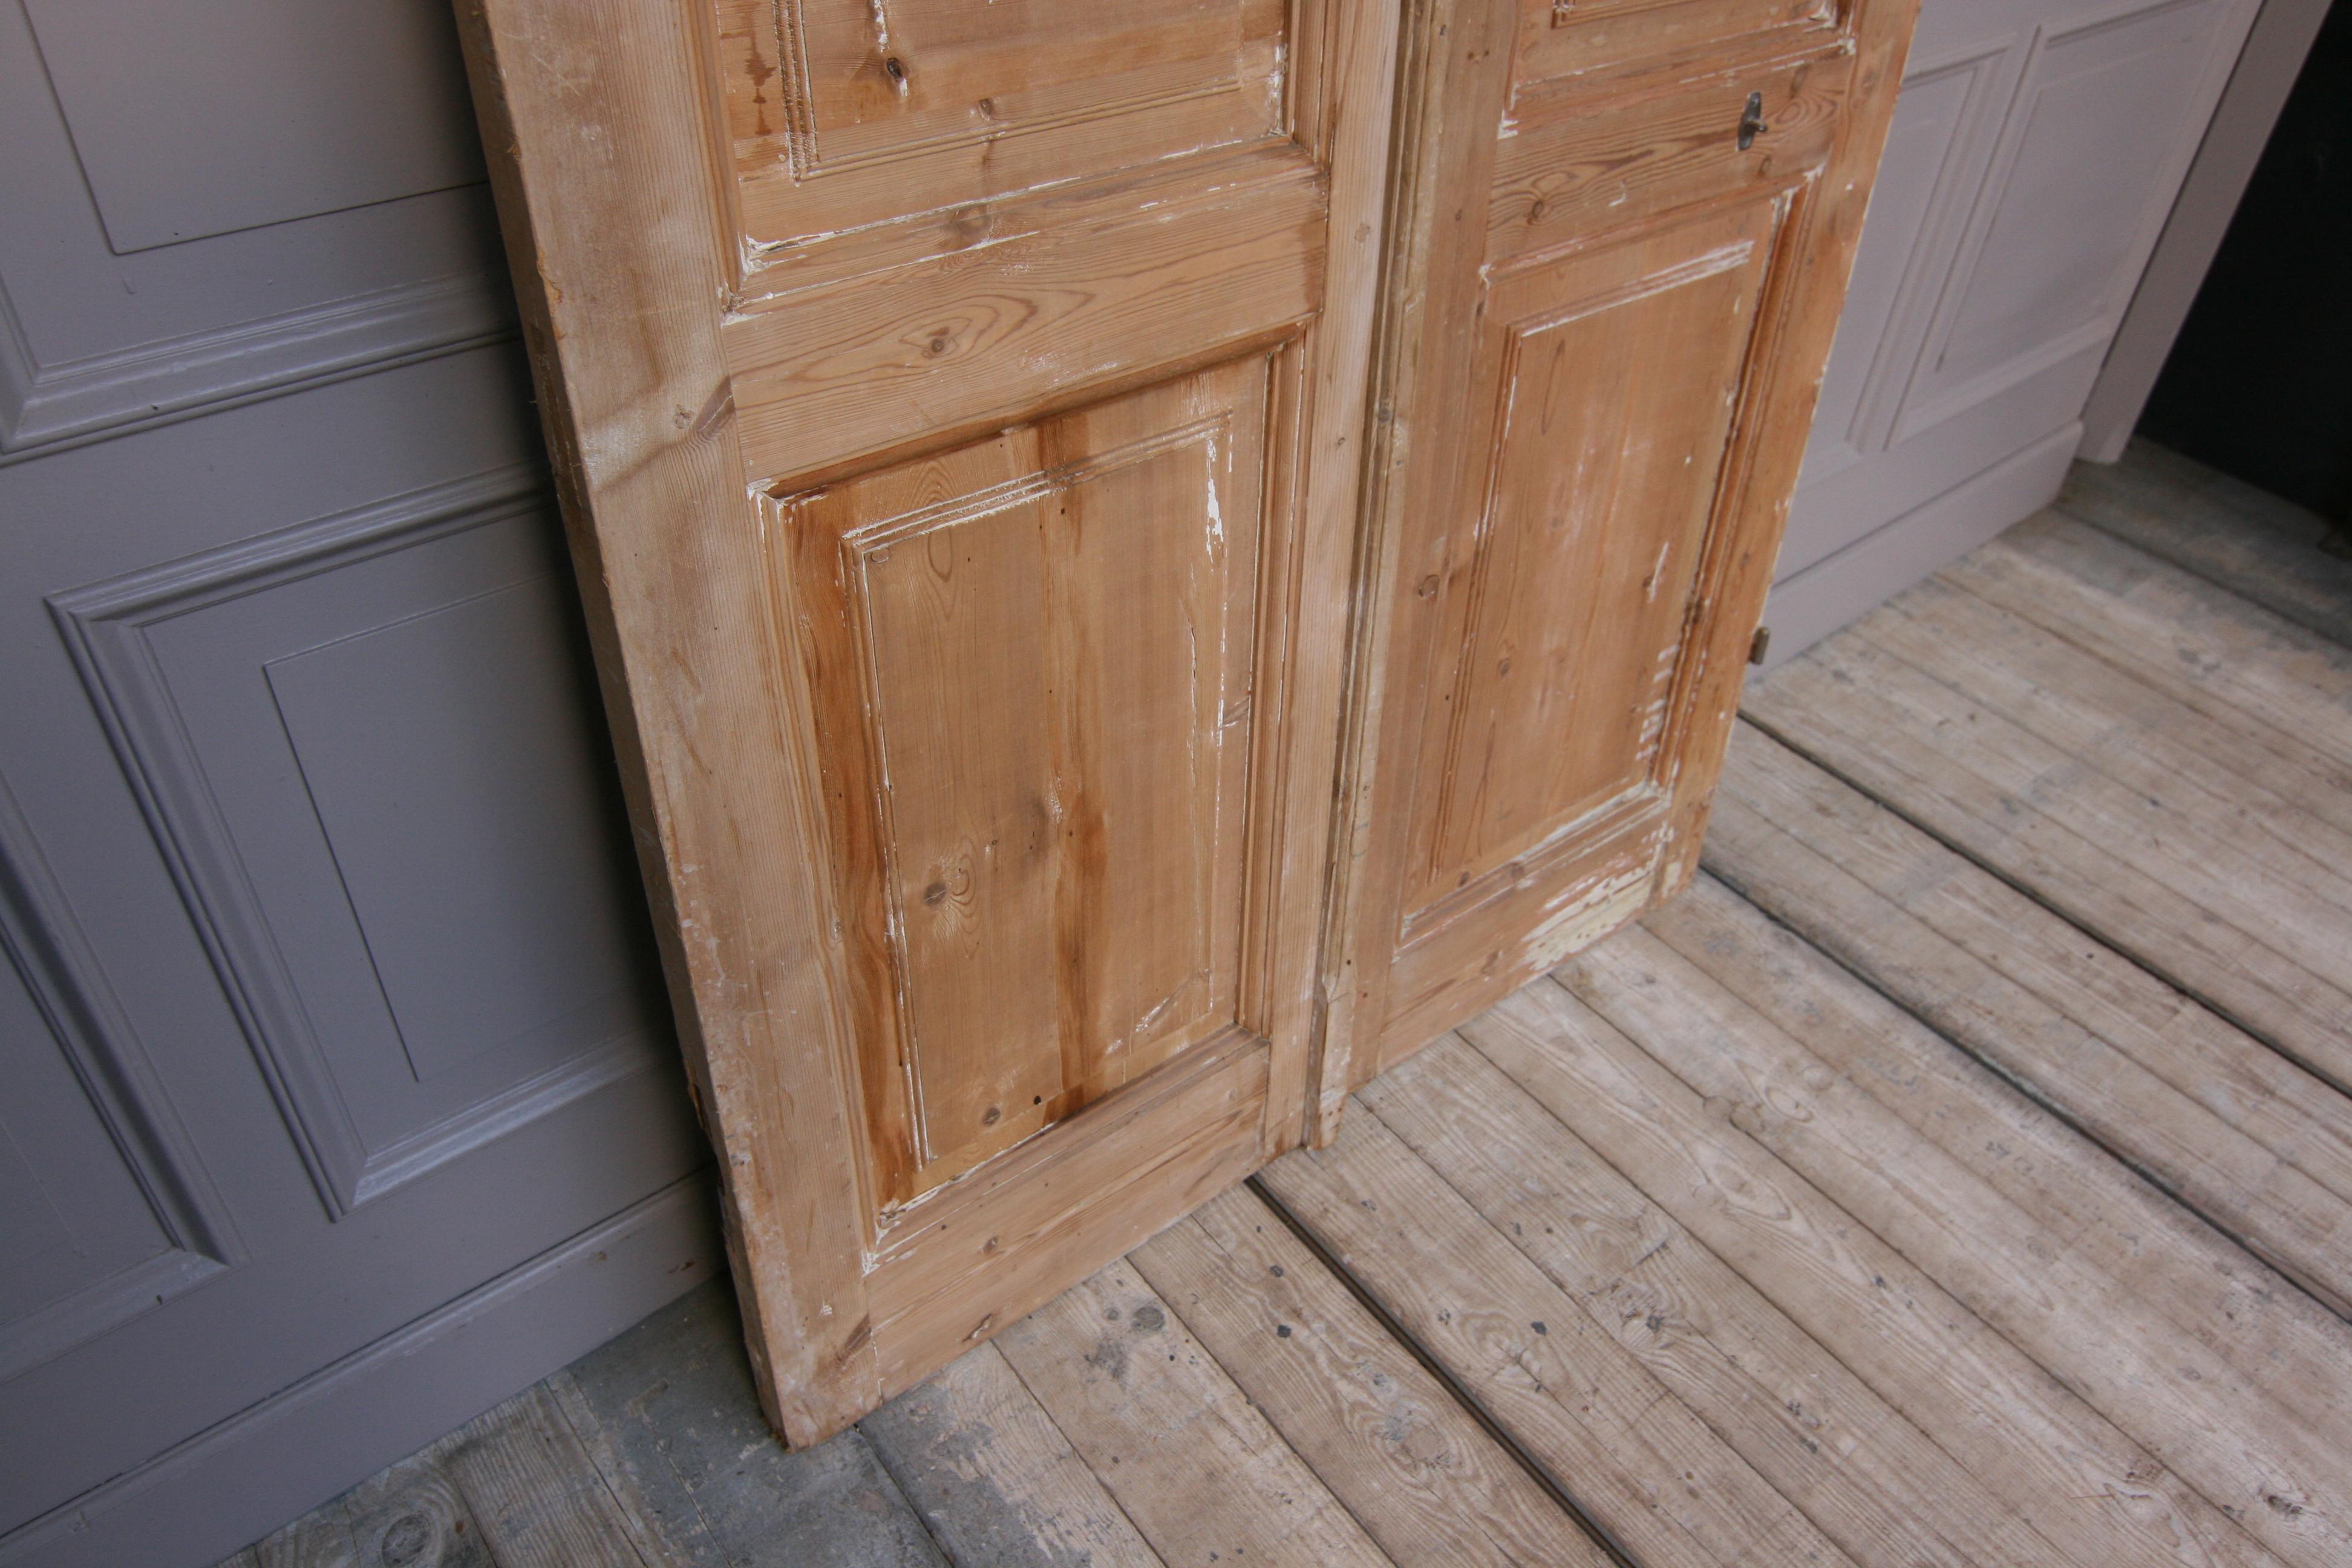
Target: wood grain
{"x":2240,"y":1134}
{"x":2123,"y":862}
{"x":994,"y":1478}
{"x":1016,"y":649}
{"x":1568,"y":535}
{"x":980,"y":775}
{"x":1647,"y":1469}
{"x":2218,"y":1429}
{"x":1874,"y":1482}
{"x":537,"y":1497}
{"x":2282,"y":1342}
{"x":1948,"y":1370}
{"x":1189,"y":1459}
{"x":1413,"y":1467}
{"x":2283,"y":557}
{"x":602,"y":178}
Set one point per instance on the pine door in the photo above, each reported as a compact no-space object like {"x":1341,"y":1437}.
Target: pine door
{"x":1621,"y":237}
{"x":959,"y":407}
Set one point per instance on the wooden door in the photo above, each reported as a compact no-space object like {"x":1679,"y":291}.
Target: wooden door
{"x":958,"y":406}
{"x":1621,"y":236}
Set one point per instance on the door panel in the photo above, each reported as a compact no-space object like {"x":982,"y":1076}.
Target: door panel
{"x":961,"y":406}
{"x":1615,"y":374}
{"x":2096,"y":126}
{"x":1637,"y":319}
{"x":1031,"y":657}
{"x":848,"y":115}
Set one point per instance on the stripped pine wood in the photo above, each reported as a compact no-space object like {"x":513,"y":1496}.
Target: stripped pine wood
{"x":994,"y":1478}
{"x":2282,"y":1342}
{"x":1873,"y":1481}
{"x":1607,"y":308}
{"x":1413,"y":1467}
{"x":2214,"y":1428}
{"x":1640,"y":1463}
{"x":1981,"y":1397}
{"x":959,"y":416}
{"x":1189,"y":1460}
{"x":2219,"y":1120}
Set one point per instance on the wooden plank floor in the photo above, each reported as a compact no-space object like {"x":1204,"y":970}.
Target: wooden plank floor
{"x":1959,"y":1173}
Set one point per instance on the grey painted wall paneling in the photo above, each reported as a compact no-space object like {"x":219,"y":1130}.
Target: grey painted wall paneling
{"x":106,"y":1209}
{"x":123,"y":303}
{"x":195,"y":120}
{"x":2035,"y":154}
{"x":362,"y":742}
{"x":341,"y":616}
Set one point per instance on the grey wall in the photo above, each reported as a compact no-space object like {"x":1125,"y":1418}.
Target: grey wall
{"x":336,"y":1095}
{"x":2035,"y":152}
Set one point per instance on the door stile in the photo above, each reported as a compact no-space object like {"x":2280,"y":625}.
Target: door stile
{"x":1353,"y":133}
{"x":607,"y":207}
{"x":1819,"y":245}
{"x":1453,"y":58}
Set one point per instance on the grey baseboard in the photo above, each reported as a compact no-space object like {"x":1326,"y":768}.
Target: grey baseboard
{"x":1842,"y":587}
{"x":233,"y":1483}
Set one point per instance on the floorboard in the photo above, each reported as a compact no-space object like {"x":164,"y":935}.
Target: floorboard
{"x":1413,"y":1467}
{"x":2273,"y":551}
{"x":1958,"y":1175}
{"x":2235,"y":1133}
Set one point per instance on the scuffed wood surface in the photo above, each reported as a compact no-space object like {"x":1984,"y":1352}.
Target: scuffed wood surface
{"x":980,"y":775}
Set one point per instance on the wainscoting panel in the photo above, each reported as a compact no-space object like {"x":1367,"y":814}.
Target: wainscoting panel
{"x":2035,"y":156}
{"x":277,"y":236}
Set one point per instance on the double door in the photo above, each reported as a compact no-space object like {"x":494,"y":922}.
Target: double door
{"x":1146,"y":558}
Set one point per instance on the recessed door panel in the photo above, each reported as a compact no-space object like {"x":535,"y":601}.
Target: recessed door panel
{"x":849,"y":114}
{"x":1614,"y":375}
{"x":1033,"y":661}
{"x":1612,"y":311}
{"x":2107,"y":110}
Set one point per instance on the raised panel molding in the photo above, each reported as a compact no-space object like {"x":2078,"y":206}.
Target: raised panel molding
{"x":96,"y":338}
{"x":1932,"y":398}
{"x":110,"y":1065}
{"x":118,"y":634}
{"x":1045,"y":852}
{"x":43,"y":406}
{"x":1906,"y":251}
